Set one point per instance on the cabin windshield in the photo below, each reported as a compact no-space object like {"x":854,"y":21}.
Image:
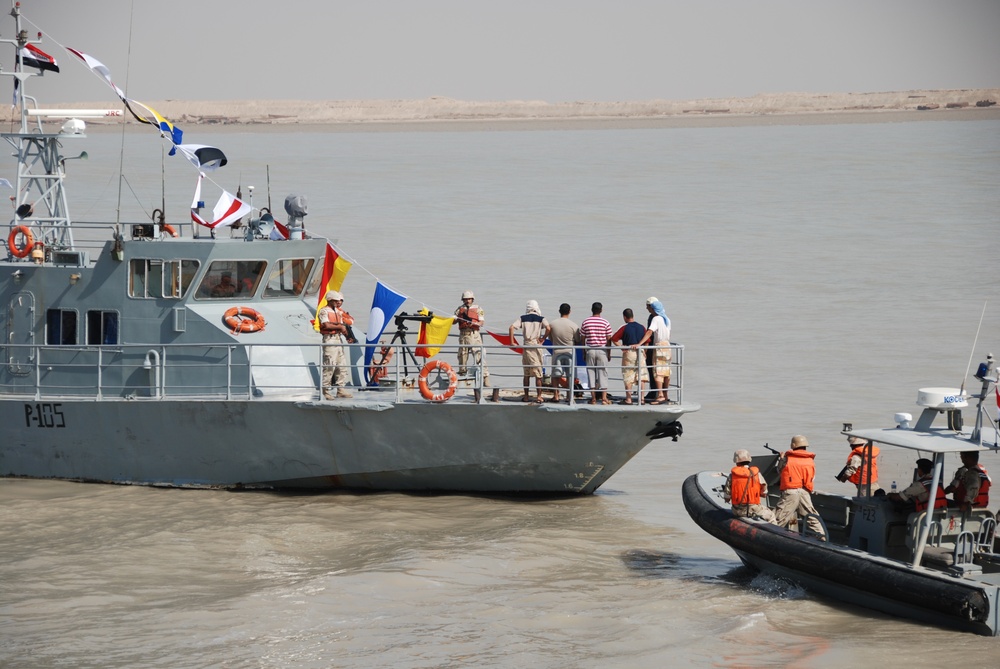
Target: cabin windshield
{"x":288,"y":277}
{"x":226,"y":279}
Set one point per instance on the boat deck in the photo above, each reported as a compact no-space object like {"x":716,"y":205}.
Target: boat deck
{"x":292,"y":372}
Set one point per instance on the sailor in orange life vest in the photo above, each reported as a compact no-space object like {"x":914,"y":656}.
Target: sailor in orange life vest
{"x":333,"y":325}
{"x":855,"y":471}
{"x":919,"y":491}
{"x":470,"y":319}
{"x":744,"y":489}
{"x":971,"y":485}
{"x":798,"y":470}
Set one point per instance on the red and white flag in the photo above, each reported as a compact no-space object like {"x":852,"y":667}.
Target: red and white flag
{"x":227,"y":211}
{"x":98,"y":68}
{"x":279,"y":231}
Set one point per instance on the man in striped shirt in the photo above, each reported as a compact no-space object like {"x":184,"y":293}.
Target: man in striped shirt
{"x":596,"y":333}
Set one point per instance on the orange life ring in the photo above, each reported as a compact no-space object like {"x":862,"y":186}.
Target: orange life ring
{"x":169,"y":229}
{"x":244,"y":319}
{"x":29,"y":241}
{"x":379,"y":369}
{"x":444,"y":367}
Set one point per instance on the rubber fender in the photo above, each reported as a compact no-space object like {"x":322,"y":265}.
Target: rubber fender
{"x":673,"y":429}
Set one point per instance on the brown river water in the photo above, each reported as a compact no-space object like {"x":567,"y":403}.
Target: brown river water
{"x":816,"y":274}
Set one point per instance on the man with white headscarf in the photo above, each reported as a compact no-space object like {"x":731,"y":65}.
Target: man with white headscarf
{"x":658,"y":333}
{"x":536,"y":329}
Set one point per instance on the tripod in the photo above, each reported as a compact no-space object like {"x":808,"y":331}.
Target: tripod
{"x":400,"y":336}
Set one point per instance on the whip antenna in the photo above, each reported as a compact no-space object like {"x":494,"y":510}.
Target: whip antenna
{"x":973,"y":352}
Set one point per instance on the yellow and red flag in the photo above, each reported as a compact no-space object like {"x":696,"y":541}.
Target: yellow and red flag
{"x":433,"y":334}
{"x":335,"y":269}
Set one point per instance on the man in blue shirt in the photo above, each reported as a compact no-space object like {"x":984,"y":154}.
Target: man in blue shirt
{"x":632,"y":372}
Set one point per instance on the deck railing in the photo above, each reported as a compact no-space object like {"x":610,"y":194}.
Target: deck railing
{"x":284,"y":372}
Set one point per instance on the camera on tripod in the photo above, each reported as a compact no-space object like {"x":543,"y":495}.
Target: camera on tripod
{"x":402,"y":317}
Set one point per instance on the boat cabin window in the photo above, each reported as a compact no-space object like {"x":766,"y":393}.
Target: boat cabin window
{"x":227,"y":279}
{"x":313,"y":288}
{"x":152,"y":277}
{"x":102,"y":327}
{"x":60,"y":327}
{"x":288,"y":277}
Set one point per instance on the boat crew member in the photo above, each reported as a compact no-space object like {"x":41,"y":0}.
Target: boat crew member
{"x":658,"y":333}
{"x":565,"y":334}
{"x":798,"y":471}
{"x":863,"y":457}
{"x":632,"y":372}
{"x":470,"y":319}
{"x":225,"y":287}
{"x":745,"y":486}
{"x":650,"y":355}
{"x":334,"y":325}
{"x":919,"y":491}
{"x":596,"y":333}
{"x":536,"y":330}
{"x":971,"y":484}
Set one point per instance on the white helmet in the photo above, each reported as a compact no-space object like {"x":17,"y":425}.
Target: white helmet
{"x":467,"y":295}
{"x":334,"y":295}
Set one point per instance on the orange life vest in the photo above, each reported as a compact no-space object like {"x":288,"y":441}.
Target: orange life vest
{"x":861,"y":475}
{"x":744,"y":486}
{"x":468,"y":321}
{"x":799,"y":470}
{"x":339,"y":317}
{"x":939,"y":502}
{"x":983,"y":497}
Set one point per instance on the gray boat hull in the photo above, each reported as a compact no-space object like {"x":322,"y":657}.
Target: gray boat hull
{"x":353,"y":444}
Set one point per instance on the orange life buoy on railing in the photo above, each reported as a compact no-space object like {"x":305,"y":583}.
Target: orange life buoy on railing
{"x":452,"y":381}
{"x":29,"y":241}
{"x":170,"y":230}
{"x":244,"y":319}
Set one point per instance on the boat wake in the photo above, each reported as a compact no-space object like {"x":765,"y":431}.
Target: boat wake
{"x":664,"y":564}
{"x":777,"y":588}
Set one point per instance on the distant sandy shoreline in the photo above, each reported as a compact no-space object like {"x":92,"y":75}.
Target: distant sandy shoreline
{"x":447,"y":114}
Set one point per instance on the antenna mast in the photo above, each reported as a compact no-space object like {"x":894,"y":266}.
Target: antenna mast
{"x":40,"y":199}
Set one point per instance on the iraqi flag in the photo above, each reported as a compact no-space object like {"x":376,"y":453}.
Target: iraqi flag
{"x":384,"y":305}
{"x":32,"y":56}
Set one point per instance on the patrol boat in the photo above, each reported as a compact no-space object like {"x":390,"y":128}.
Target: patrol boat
{"x":124,"y":363}
{"x":939,"y":567}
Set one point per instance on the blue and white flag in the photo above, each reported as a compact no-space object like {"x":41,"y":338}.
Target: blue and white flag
{"x":384,"y":305}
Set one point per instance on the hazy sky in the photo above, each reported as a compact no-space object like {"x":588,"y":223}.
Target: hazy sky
{"x":557,"y":50}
